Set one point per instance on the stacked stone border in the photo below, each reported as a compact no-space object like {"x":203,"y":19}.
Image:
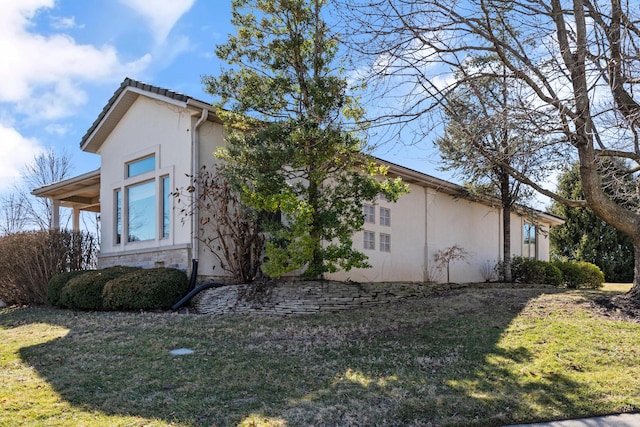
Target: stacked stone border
{"x":313,"y":297}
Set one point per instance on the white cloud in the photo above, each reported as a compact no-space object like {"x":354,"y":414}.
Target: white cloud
{"x":37,"y":68}
{"x":64,"y":23}
{"x":15,"y":152}
{"x":162,"y":15}
{"x":57,"y":129}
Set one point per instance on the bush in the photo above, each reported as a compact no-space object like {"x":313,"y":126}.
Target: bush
{"x":524,"y":270}
{"x":28,"y":261}
{"x":54,"y":288}
{"x":145,"y":289}
{"x":552,"y":275}
{"x":593,"y":277}
{"x":85,"y":291}
{"x":580,"y":274}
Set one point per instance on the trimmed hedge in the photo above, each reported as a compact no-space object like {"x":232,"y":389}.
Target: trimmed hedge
{"x":580,"y":274}
{"x":55,"y":285}
{"x":85,"y":291}
{"x":571,"y":274}
{"x":148,"y":289}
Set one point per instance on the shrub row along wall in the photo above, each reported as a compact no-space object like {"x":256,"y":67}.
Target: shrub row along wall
{"x":294,"y":298}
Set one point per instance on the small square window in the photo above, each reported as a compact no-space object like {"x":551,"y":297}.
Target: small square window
{"x":369,"y":213}
{"x":385,"y":216}
{"x":385,"y":243}
{"x":369,"y":240}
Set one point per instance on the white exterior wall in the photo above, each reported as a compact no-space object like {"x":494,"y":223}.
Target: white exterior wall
{"x":427,"y":221}
{"x":405,"y":262}
{"x":472,"y":226}
{"x":148,"y":127}
{"x":423,"y":221}
{"x":211,"y":137}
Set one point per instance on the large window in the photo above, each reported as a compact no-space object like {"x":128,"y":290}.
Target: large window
{"x":142,"y":204}
{"x":529,"y":241}
{"x":141,"y":211}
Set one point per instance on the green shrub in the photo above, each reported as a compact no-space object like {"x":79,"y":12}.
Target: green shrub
{"x":57,"y":282}
{"x":145,"y":289}
{"x":552,"y":274}
{"x":525,"y":270}
{"x":580,"y":274}
{"x":85,"y":291}
{"x":593,"y":277}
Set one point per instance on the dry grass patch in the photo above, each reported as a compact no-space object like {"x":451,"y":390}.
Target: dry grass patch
{"x":484,"y":357}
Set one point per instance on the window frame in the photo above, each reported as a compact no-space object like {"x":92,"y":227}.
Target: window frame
{"x":141,"y":161}
{"x":369,"y":240}
{"x":528,"y":243}
{"x":385,"y":246}
{"x":162,"y":203}
{"x":369,"y":213}
{"x":385,"y":220}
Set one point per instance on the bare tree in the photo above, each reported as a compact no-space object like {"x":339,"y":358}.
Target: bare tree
{"x":232,"y":232}
{"x":579,"y":60}
{"x":47,"y":168}
{"x":486,"y":112}
{"x":13,"y":216}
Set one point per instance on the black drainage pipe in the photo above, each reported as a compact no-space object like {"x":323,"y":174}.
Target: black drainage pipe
{"x":194,"y":292}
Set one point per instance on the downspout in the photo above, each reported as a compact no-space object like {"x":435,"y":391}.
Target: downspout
{"x":427,"y":270}
{"x":195,"y":169}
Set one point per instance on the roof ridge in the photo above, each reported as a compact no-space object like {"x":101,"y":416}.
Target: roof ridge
{"x":147,"y":87}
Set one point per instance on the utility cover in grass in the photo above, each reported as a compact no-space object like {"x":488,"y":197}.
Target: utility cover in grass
{"x":181,"y":351}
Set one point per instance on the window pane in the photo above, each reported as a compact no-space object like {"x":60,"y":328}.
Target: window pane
{"x":141,"y":218}
{"x":166,"y":192}
{"x":118,"y":216}
{"x":369,"y":240}
{"x":385,"y":216}
{"x":529,"y":243}
{"x":141,"y":166}
{"x":369,"y":213}
{"x":385,"y":242}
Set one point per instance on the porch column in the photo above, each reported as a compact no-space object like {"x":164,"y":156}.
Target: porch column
{"x":76,"y":219}
{"x":55,"y":214}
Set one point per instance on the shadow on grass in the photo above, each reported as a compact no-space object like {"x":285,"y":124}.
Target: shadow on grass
{"x":437,"y":361}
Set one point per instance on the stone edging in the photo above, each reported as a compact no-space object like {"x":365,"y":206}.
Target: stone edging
{"x":312,"y":297}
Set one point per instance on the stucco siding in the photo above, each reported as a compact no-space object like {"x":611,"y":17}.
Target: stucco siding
{"x":210,"y":138}
{"x":150,"y":127}
{"x":405,"y":261}
{"x":471,"y":226}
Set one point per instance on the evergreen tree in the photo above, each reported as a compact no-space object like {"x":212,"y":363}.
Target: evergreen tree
{"x":289,"y":148}
{"x":585,"y":237}
{"x":484,"y":121}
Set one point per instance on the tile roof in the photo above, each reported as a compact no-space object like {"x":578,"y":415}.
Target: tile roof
{"x":129,"y":82}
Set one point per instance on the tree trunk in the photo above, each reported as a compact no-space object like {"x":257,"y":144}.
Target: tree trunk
{"x":316,"y":265}
{"x":506,"y":227}
{"x":635,"y":289}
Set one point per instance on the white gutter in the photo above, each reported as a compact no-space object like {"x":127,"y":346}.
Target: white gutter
{"x":195,"y":169}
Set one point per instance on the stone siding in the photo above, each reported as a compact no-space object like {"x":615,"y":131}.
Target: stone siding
{"x":298,"y":298}
{"x":171,"y":258}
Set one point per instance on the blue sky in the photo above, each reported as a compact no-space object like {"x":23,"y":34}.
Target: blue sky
{"x":62,"y":60}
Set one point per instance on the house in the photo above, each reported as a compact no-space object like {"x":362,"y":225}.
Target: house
{"x":150,"y":139}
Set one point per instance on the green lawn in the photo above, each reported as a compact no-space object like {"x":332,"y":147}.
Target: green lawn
{"x":484,"y":357}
